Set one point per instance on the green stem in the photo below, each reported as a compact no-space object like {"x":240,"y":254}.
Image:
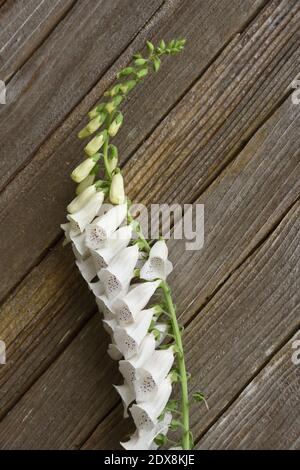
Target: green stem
{"x":105,"y":151}
{"x":181,"y":366}
{"x":180,"y":354}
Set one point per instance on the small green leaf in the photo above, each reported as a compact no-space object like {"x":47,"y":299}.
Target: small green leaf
{"x":150,"y":46}
{"x":156,"y":63}
{"x":162,"y":44}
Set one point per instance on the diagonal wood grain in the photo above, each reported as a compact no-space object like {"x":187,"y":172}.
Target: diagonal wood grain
{"x":58,"y":75}
{"x":267,"y":414}
{"x":13,"y":322}
{"x":45,"y":183}
{"x":236,"y":190}
{"x":24,"y":24}
{"x":230,"y":340}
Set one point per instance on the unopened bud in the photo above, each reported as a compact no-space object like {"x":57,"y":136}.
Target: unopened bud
{"x":115,"y":125}
{"x":117,"y":193}
{"x":88,"y":181}
{"x":81,"y":200}
{"x":84,"y":169}
{"x":113,"y":104}
{"x":95,"y":144}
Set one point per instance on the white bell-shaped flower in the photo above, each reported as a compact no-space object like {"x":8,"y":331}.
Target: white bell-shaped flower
{"x":87,"y":269}
{"x":111,"y":247}
{"x":128,"y":338}
{"x":103,"y":227}
{"x":152,"y":373}
{"x":145,"y":414}
{"x":144,"y":440}
{"x":104,"y":305}
{"x":114,"y":352}
{"x":127,"y":395}
{"x":157,"y":266}
{"x":118,"y":274}
{"x":80,"y":219}
{"x":128,"y":307}
{"x":128,"y":367}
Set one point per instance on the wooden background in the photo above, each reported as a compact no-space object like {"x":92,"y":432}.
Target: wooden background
{"x":217,"y":125}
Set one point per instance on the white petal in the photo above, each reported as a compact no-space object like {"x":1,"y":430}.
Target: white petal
{"x":114,"y":352}
{"x":103,"y":227}
{"x":128,"y":338}
{"x":153,"y":372}
{"x":66,"y":228}
{"x":79,"y":242}
{"x":145,"y":414}
{"x":127,"y":396}
{"x":144,"y":441}
{"x":111,"y":247}
{"x":87,"y":269}
{"x":117,"y":276}
{"x":159,"y":250}
{"x":79,"y":220}
{"x":137,"y":298}
{"x":128,"y":367}
{"x":96,"y":288}
{"x":110,"y":326}
{"x":104,"y":306}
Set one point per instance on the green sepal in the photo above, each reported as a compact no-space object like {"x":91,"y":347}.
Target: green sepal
{"x":140,"y":62}
{"x":160,"y":439}
{"x":142,"y":73}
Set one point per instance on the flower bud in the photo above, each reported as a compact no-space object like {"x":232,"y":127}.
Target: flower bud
{"x":113,"y":104}
{"x":116,"y":193}
{"x":115,"y":125}
{"x":96,"y":110}
{"x":79,"y":201}
{"x":95,"y":144}
{"x":88,"y":181}
{"x":127,"y":86}
{"x":92,"y":126}
{"x":84,"y":169}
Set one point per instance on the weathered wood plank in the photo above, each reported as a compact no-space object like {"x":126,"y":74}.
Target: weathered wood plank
{"x":39,"y":320}
{"x":63,"y":70}
{"x":237,"y":190}
{"x":231,"y":339}
{"x":53,"y":427}
{"x":267,"y":414}
{"x":48,"y":173}
{"x":24,"y":24}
